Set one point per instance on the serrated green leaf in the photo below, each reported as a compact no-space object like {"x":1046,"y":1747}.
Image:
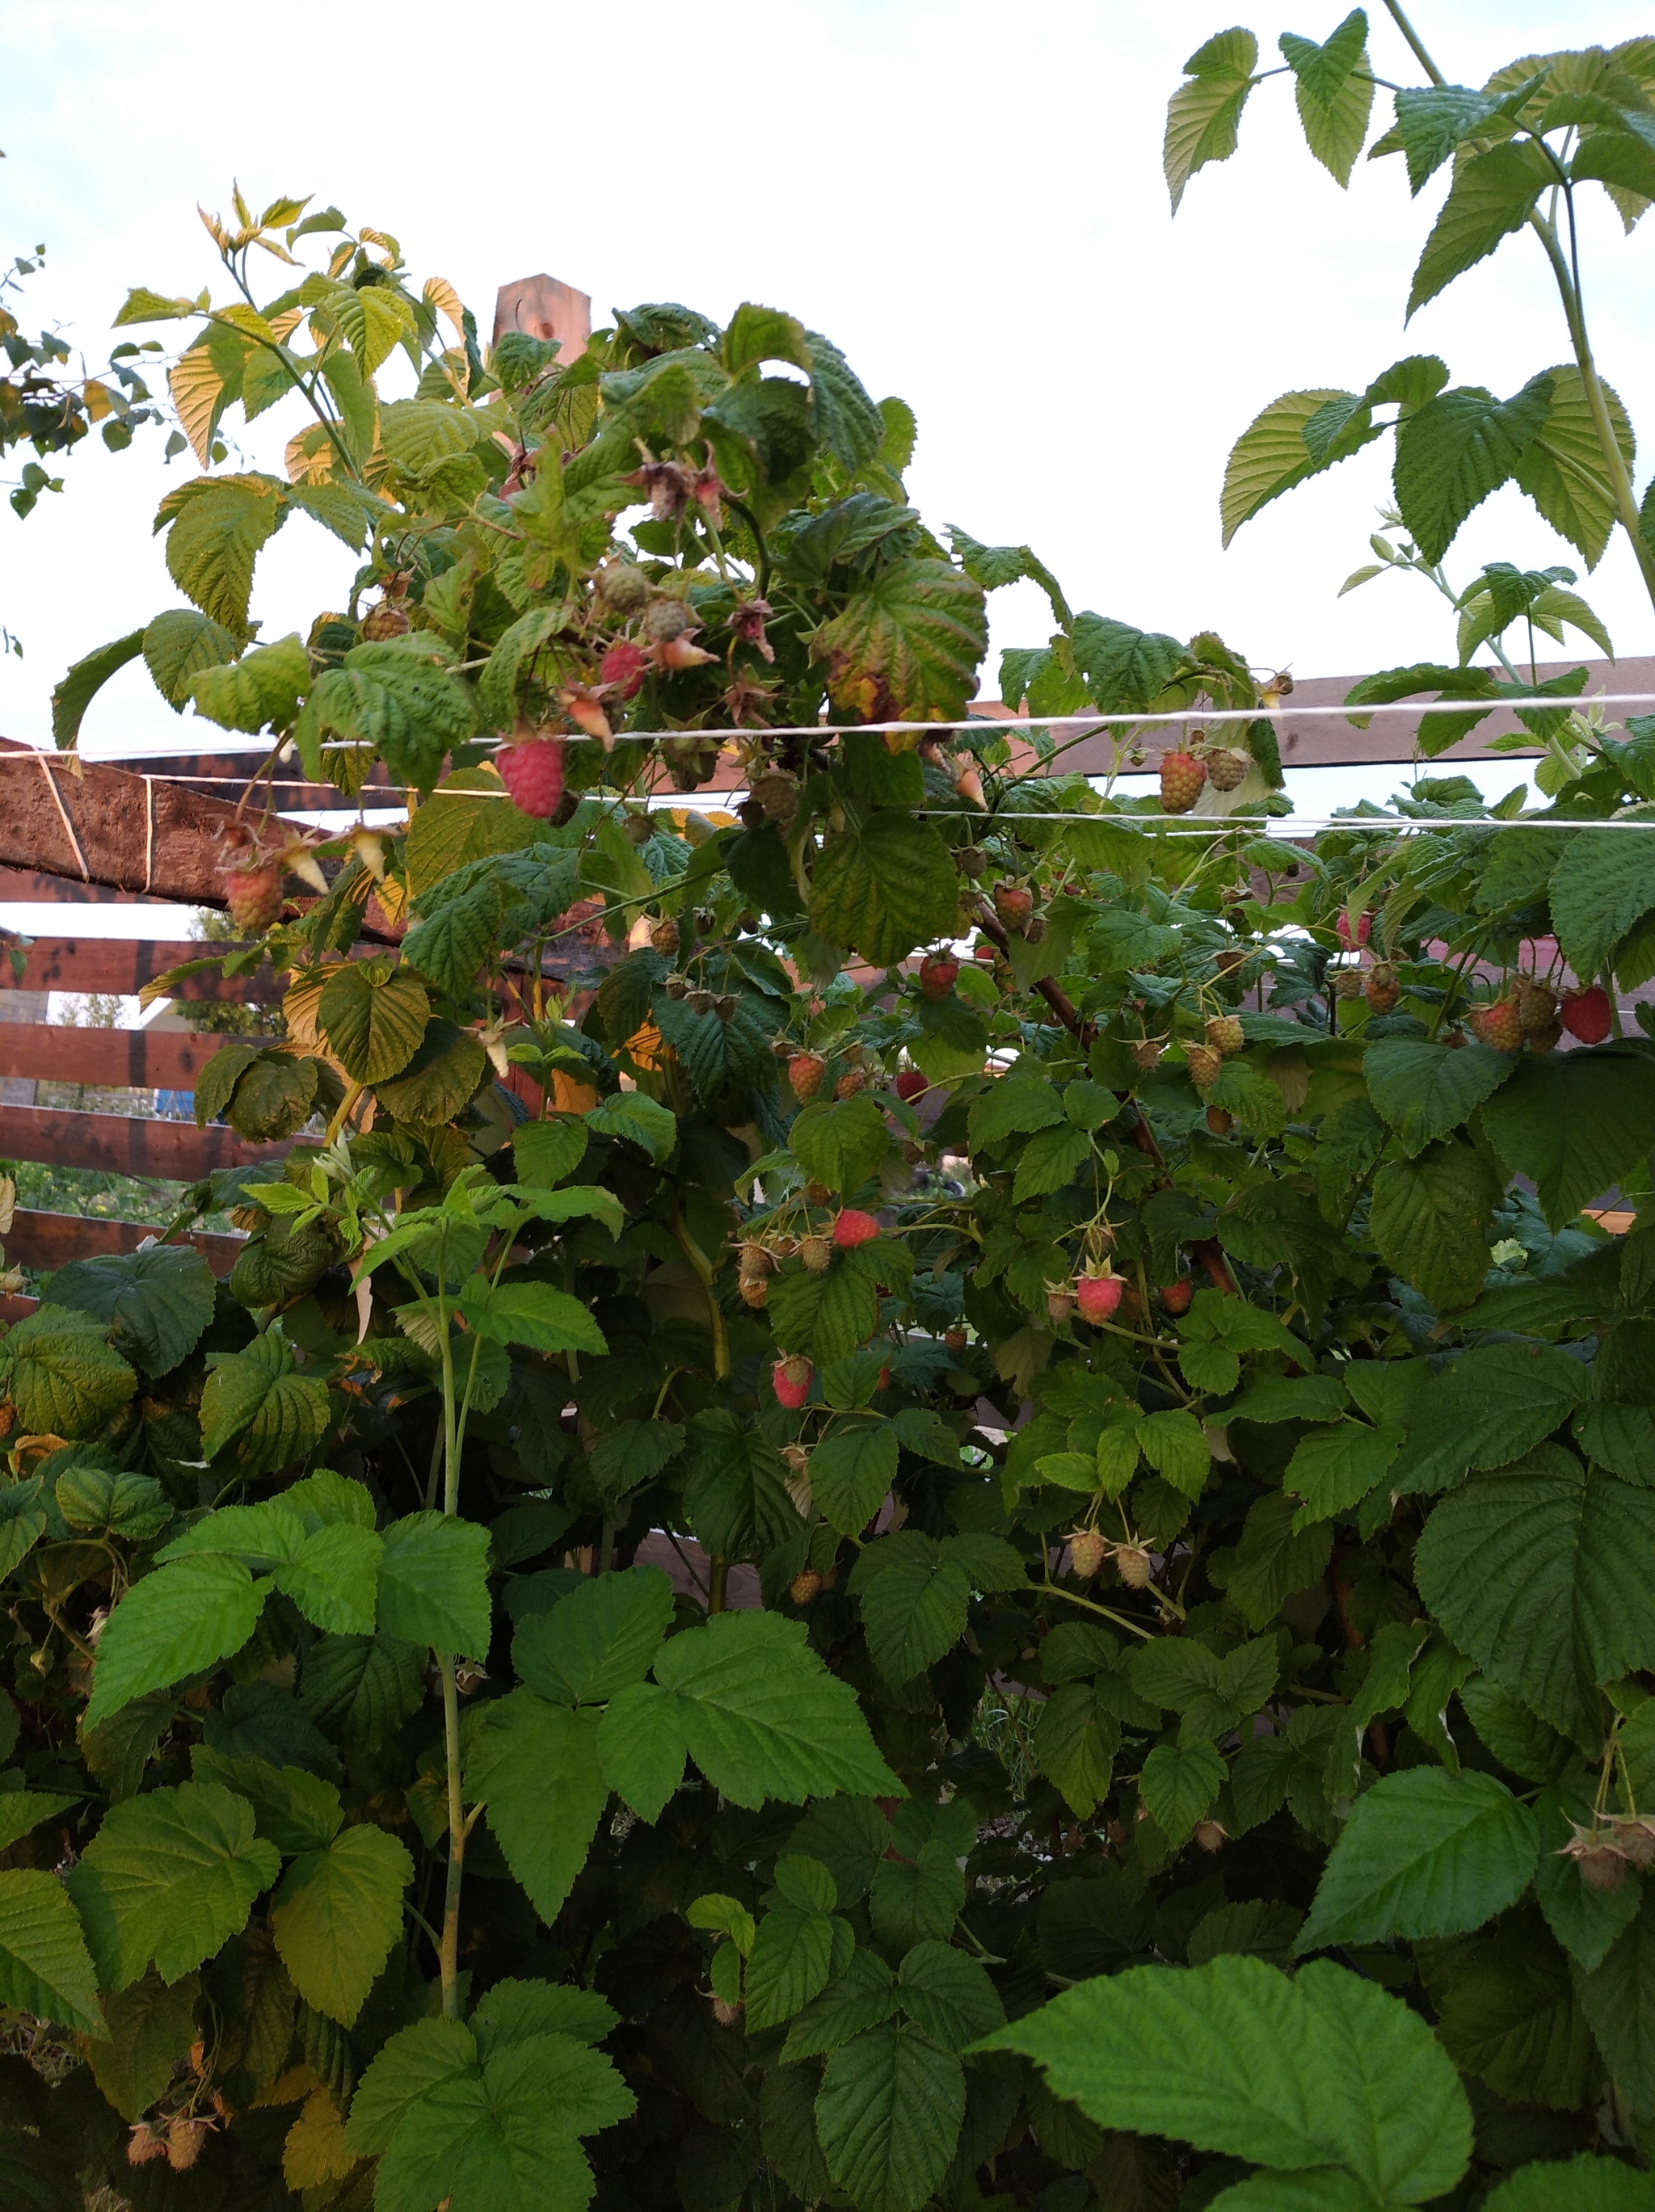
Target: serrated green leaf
{"x":336,"y":1916}
{"x":791,"y":1962}
{"x":841,"y":1143}
{"x":862,"y":1997}
{"x":906,"y":647}
{"x":851,"y":1472}
{"x":1583,"y":2184}
{"x":178,"y":645}
{"x":1430,"y":1219}
{"x":1457,"y":448}
{"x":1075,"y":1740}
{"x":1484,"y":1410}
{"x":1272,"y":455}
{"x":1334,"y":1469}
{"x":295,"y":1810}
{"x":948,"y":1997}
{"x":262,"y":690}
{"x":884,"y":888}
{"x":64,"y":1380}
{"x":1492,"y":195}
{"x":888,"y":2115}
{"x":433,"y":1586}
{"x":1618,"y":1999}
{"x":169,"y":1877}
{"x":641,"y":1119}
{"x":1274,"y":1559}
{"x":374,"y":1017}
{"x":1424,"y":1090}
{"x":1049,"y":1160}
{"x":74,"y":691}
{"x":534,"y":1315}
{"x":334,"y":1579}
{"x":735,"y":1497}
{"x":1535,"y":1573}
{"x":1178,"y":1783}
{"x":44,"y":1969}
{"x":254,"y":1402}
{"x":598,"y":1640}
{"x":174,"y":1623}
{"x":362,"y":1688}
{"x":1015,"y":1105}
{"x":1334,"y":92}
{"x":216,"y":536}
{"x":1423,"y":1853}
{"x":1575,"y":1123}
{"x":1202,"y":117}
{"x":150,"y":2027}
{"x":1562,"y":468}
{"x":398,"y":698}
{"x":1323,"y":2070}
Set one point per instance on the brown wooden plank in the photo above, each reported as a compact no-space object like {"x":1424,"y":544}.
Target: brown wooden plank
{"x":51,"y":1240}
{"x":124,"y":965}
{"x":168,"y":1059}
{"x":40,"y":889}
{"x":176,"y":1152}
{"x":17,"y":1308}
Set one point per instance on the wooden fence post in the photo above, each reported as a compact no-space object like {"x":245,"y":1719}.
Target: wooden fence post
{"x":546,"y":309}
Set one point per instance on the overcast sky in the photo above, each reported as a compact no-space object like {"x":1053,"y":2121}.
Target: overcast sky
{"x":966,"y":196}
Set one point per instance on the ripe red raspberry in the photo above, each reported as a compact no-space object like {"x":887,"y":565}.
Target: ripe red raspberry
{"x":854,"y":1227}
{"x":1087,"y":1550}
{"x":1224,"y":1034}
{"x":1586,"y":1014}
{"x":804,"y":1587}
{"x":253,"y":896}
{"x":1176,"y":1296}
{"x":1182,"y":778}
{"x":533,"y":773}
{"x":984,"y":952}
{"x":1500,"y":1025}
{"x":790,"y":1377}
{"x":1381,"y":989}
{"x":937,"y":973}
{"x":1098,"y":1296}
{"x":1364,"y":929}
{"x":805,"y":1073}
{"x":624,"y":665}
{"x":883,"y":1382}
{"x":911,"y":1084}
{"x":1014,"y":904}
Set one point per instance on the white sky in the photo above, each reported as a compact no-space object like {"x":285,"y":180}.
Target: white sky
{"x":965,"y":196}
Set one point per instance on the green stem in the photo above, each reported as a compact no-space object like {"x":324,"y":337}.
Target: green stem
{"x":1415,"y":44}
{"x":701,"y":1267}
{"x":449,"y":1954}
{"x":717,"y":1582}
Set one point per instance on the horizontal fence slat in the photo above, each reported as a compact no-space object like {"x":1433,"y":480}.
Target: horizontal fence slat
{"x":51,"y":1240}
{"x":124,"y":965}
{"x":174,"y":1152}
{"x":144,"y":1060}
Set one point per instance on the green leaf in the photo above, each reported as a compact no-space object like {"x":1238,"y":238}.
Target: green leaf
{"x":261,"y":690}
{"x":1273,"y":453}
{"x":735,"y":1497}
{"x":158,"y":1302}
{"x":536,"y":1764}
{"x":1202,"y":116}
{"x":374,"y":1017}
{"x":334,"y":1579}
{"x":1423,"y":1853}
{"x":1457,"y":448}
{"x":1424,"y":1090}
{"x":1563,"y":470}
{"x":914,"y":1591}
{"x":530,"y":1314}
{"x":1274,"y":1559}
{"x":65,"y":1380}
{"x":336,"y":1916}
{"x":791,"y":1962}
{"x":1430,"y":1219}
{"x":884,"y":888}
{"x":20,"y":1810}
{"x":643,"y":1120}
{"x":851,"y":1472}
{"x":169,"y":1877}
{"x":1213,"y":1695}
{"x":1619,"y":2002}
{"x":513,"y":2011}
{"x":1585,"y":1921}
{"x":273,"y":1096}
{"x":1175,"y":1444}
{"x":1576,"y":1123}
{"x":362,"y":1688}
{"x":295,"y":1810}
{"x":398,"y":698}
{"x":1334,"y":1469}
{"x":1335,"y":91}
{"x":948,"y":1997}
{"x":546,"y":1151}
{"x":178,"y":645}
{"x":412,"y":2063}
{"x":754,"y":1708}
{"x":598,"y":1640}
{"x":218,"y":527}
{"x":1486,"y":1409}
{"x":1015,"y":1106}
{"x":862,"y":1997}
{"x":1519,"y":1739}
{"x":1506,"y":2012}
{"x":466,"y":819}
{"x":1599,"y":890}
{"x":44,"y":1966}
{"x":1430,"y":123}
{"x":439,"y":1080}
{"x":1323,"y":2070}
{"x":175,"y":1622}
{"x":255,"y":1401}
{"x":888,"y":2116}
{"x":434,"y":1586}
{"x":1536,"y":1573}
{"x":841,"y":1143}
{"x":451,"y":944}
{"x":150,"y":2028}
{"x":1178,"y":1783}
{"x":76,"y":691}
{"x":1492,"y":195}
{"x":1049,"y":1160}
{"x":1583,"y":2184}
{"x":1075,"y":1740}
{"x":906,"y":646}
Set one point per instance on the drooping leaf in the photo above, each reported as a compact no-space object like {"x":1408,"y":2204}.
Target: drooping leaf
{"x":1202,"y":116}
{"x":65,"y":1379}
{"x":44,"y":1969}
{"x":1492,"y":195}
{"x":888,"y":2115}
{"x":906,"y":646}
{"x":884,"y":888}
{"x":1424,"y":1091}
{"x":336,"y":1916}
{"x":171,"y":1624}
{"x":169,"y":1877}
{"x":433,"y":1583}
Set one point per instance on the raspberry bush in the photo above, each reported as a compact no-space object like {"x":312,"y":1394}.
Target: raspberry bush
{"x":1151,"y":1706}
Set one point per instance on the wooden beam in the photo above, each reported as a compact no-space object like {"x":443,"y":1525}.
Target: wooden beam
{"x":148,"y":1059}
{"x":35,"y":886}
{"x":51,"y":1240}
{"x":545,"y":308}
{"x":124,"y":965}
{"x":174,"y":1152}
